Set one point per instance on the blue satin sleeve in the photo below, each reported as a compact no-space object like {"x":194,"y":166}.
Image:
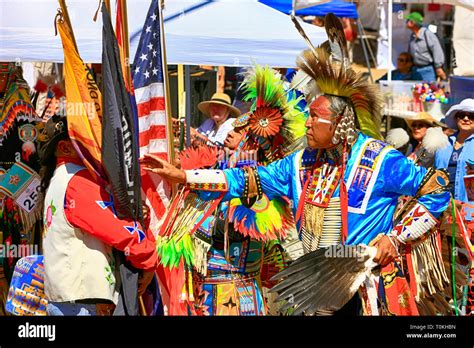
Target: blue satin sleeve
{"x":401,"y":176}
{"x":274,"y":178}
{"x":436,"y":203}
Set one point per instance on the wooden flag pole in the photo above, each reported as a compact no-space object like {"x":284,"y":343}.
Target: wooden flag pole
{"x":62,"y":3}
{"x":126,"y":43}
{"x":181,"y":105}
{"x":166,"y":88}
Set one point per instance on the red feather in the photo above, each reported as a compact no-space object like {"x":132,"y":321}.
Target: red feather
{"x":57,"y":90}
{"x":195,"y":158}
{"x":41,"y":86}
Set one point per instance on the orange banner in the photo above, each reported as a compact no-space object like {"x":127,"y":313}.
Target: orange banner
{"x":84,"y":105}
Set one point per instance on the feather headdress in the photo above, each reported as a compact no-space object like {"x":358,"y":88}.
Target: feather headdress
{"x":275,"y":112}
{"x":276,"y":123}
{"x":333,"y":78}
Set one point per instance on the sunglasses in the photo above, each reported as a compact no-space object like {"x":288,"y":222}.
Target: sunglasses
{"x":419,"y":125}
{"x":463,"y":115}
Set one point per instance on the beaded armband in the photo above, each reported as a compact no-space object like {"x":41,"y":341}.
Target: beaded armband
{"x":206,"y":180}
{"x":435,"y":181}
{"x":414,"y":225}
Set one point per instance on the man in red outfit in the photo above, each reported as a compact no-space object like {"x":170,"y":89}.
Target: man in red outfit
{"x":81,"y":229}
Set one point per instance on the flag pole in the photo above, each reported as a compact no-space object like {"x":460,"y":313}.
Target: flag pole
{"x":126,"y":43}
{"x":181,"y":105}
{"x":390,"y":39}
{"x":65,"y":13}
{"x":166,"y":89}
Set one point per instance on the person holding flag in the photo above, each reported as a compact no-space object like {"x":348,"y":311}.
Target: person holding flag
{"x":93,"y":218}
{"x":81,"y":228}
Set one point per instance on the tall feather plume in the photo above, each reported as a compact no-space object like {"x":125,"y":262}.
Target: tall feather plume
{"x":332,"y":78}
{"x":337,"y":39}
{"x":264,"y":86}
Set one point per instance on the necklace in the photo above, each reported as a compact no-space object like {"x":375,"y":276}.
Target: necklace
{"x":458,"y":145}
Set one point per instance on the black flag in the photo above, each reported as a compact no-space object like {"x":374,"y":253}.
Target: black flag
{"x":119,"y":131}
{"x":120,"y":155}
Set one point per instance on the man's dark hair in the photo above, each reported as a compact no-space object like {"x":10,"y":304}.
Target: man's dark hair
{"x":54,"y":131}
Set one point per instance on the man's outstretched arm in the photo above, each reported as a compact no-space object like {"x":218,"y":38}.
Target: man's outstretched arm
{"x":275,"y":179}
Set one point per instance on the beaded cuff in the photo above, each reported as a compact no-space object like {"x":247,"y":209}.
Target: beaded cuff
{"x":206,"y":180}
{"x":414,"y":225}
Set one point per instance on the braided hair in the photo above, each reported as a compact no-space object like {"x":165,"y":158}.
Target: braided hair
{"x":346,"y":129}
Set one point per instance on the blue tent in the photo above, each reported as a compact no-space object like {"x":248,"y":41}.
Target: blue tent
{"x":338,"y":7}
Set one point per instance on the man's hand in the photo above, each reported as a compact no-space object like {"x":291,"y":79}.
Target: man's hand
{"x":143,"y":281}
{"x":166,"y":170}
{"x":386,"y":252}
{"x":440,"y":73}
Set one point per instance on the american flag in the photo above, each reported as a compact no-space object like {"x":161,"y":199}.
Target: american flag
{"x":149,"y":85}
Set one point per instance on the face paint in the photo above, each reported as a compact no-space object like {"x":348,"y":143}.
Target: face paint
{"x":320,"y":124}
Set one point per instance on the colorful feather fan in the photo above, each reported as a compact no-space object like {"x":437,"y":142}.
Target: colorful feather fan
{"x":175,"y":243}
{"x":265,"y":220}
{"x":175,"y":240}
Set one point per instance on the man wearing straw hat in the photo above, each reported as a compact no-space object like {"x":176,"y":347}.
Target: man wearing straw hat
{"x":218,"y":124}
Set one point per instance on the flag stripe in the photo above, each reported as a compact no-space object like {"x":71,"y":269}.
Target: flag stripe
{"x":143,"y":94}
{"x":154,"y":132}
{"x":156,"y":118}
{"x":154,"y":146}
{"x":154,"y":104}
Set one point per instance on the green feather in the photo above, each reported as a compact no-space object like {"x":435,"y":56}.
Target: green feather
{"x":172,"y":251}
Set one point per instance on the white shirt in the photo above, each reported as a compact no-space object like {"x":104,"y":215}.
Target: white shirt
{"x":207,"y":128}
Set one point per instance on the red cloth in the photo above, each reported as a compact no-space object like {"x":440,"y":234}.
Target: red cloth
{"x":83,"y":211}
{"x":172,"y":281}
{"x":395,"y":295}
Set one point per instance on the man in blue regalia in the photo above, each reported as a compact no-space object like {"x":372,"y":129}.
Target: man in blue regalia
{"x":345,"y":186}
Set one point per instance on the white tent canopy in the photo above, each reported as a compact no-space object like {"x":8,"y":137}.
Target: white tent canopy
{"x":223,"y":32}
{"x":469,"y":4}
